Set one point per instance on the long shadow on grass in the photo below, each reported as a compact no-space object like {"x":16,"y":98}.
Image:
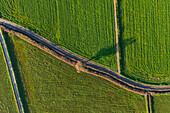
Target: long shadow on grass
{"x":104,"y":52}
{"x":123,"y":43}
{"x":111,"y":50}
{"x":14,"y":61}
{"x":152,"y":103}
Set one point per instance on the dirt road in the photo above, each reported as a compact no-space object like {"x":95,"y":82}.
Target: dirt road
{"x":116,"y":34}
{"x":89,"y":66}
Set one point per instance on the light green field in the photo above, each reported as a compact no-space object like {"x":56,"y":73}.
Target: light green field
{"x":161,"y":103}
{"x":7,"y":99}
{"x":144,"y":40}
{"x":85,"y":27}
{"x":51,"y":85}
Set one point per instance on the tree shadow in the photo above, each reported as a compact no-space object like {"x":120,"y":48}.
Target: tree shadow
{"x":14,"y":62}
{"x":123,"y":43}
{"x":104,"y":52}
{"x":111,"y":50}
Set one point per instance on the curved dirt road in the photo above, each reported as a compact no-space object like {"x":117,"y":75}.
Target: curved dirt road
{"x":88,"y":66}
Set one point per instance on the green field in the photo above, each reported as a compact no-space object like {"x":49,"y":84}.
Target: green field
{"x":51,"y":85}
{"x":85,"y":27}
{"x":161,"y":103}
{"x":7,"y":99}
{"x":144,"y":40}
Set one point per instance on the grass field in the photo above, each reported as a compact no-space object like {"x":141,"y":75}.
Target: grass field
{"x":51,"y":85}
{"x":7,"y":99}
{"x":161,"y":103}
{"x":86,"y":27}
{"x":144,"y":40}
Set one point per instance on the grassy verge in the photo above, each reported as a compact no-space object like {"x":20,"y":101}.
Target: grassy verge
{"x":146,"y":103}
{"x":7,"y":98}
{"x":144,"y":40}
{"x":53,"y":86}
{"x":161,"y":103}
{"x":83,"y":27}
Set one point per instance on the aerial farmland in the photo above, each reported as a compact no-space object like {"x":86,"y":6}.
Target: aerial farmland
{"x":78,"y":56}
{"x":144,"y":34}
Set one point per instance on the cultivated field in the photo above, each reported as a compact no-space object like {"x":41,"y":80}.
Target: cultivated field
{"x":144,"y":40}
{"x":84,"y":27}
{"x":87,"y":28}
{"x":7,"y":99}
{"x":53,"y":86}
{"x":39,"y":16}
{"x":161,"y":103}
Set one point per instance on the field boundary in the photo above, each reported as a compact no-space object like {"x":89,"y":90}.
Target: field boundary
{"x":9,"y":77}
{"x":11,"y":72}
{"x":116,"y":34}
{"x":86,"y":65}
{"x":148,"y":103}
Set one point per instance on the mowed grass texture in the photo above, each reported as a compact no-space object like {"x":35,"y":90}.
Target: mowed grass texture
{"x":161,"y":103}
{"x":85,"y":27}
{"x":144,"y":40}
{"x":7,"y":99}
{"x":53,"y":86}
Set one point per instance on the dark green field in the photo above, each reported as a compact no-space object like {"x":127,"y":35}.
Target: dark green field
{"x":7,"y":99}
{"x":51,"y":85}
{"x":161,"y":103}
{"x":85,"y":27}
{"x":144,"y":39}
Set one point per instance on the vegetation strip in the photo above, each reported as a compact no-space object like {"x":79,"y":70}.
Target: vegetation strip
{"x":11,"y":73}
{"x":86,"y":66}
{"x":116,"y":33}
